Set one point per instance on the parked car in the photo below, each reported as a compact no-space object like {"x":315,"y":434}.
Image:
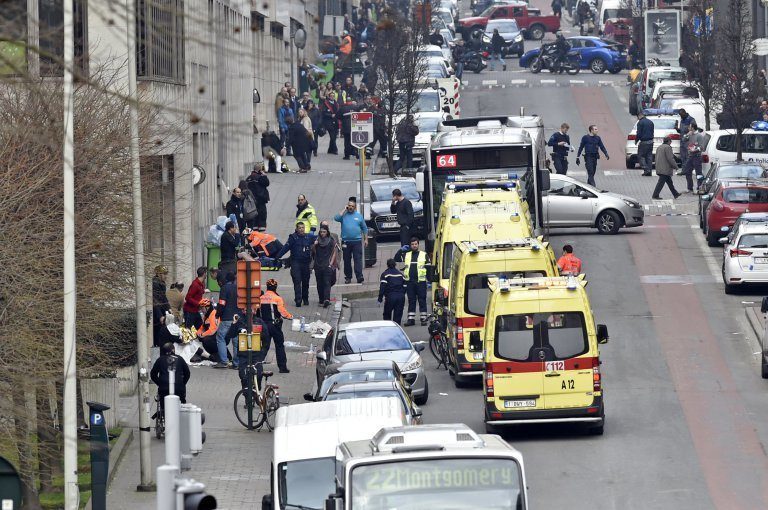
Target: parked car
{"x":432,"y":52}
{"x":652,"y":75}
{"x":369,"y":340}
{"x":720,"y":145}
{"x":382,"y":221}
{"x":663,"y":125}
{"x":355,"y":390}
{"x":728,"y":201}
{"x":510,"y":31}
{"x":530,"y":20}
{"x":354,"y":371}
{"x":571,"y":203}
{"x":597,"y":55}
{"x":745,"y":257}
{"x":746,"y":219}
{"x":719,"y":172}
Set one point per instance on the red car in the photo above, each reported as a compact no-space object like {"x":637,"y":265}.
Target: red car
{"x":530,"y":20}
{"x":729,"y":200}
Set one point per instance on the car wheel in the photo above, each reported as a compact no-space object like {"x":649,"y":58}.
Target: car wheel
{"x":609,"y":222}
{"x":536,"y":32}
{"x":598,"y":66}
{"x":712,"y":238}
{"x":764,"y":370}
{"x":491,"y":429}
{"x":630,"y":163}
{"x":422,"y":399}
{"x":459,"y":381}
{"x":615,"y":70}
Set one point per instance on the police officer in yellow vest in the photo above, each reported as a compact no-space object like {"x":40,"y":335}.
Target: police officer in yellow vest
{"x":415,"y":272}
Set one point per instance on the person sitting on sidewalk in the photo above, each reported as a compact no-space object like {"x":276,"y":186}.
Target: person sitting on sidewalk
{"x":354,"y":235}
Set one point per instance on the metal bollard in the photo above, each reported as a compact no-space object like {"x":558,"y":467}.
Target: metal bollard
{"x":196,"y":434}
{"x":185,"y":424}
{"x":172,"y":442}
{"x":166,"y":487}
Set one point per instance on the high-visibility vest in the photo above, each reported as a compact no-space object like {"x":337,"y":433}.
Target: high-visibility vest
{"x":261,"y":240}
{"x":569,"y":264}
{"x":421,"y":266}
{"x":346,"y":45}
{"x":210,"y":325}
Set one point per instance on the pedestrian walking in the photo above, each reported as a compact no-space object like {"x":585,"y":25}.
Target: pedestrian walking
{"x":682,"y":128}
{"x":458,"y":57}
{"x":273,"y":312}
{"x":405,"y":133}
{"x":300,"y":142}
{"x":591,"y":144}
{"x":235,"y":206}
{"x":325,"y":264}
{"x":229,"y":245}
{"x":226,"y":311}
{"x":568,"y":263}
{"x":299,"y":244}
{"x":345,"y":114}
{"x":191,"y":308}
{"x":316,"y":118}
{"x":561,"y":145}
{"x":392,"y":292}
{"x":557,"y":8}
{"x":160,"y":376}
{"x":329,"y":111}
{"x":379,"y":130}
{"x":497,"y":46}
{"x":175,"y":296}
{"x":283,"y":113}
{"x":249,"y":206}
{"x":693,"y":141}
{"x":307,"y":123}
{"x":258,"y":182}
{"x":354,"y":236}
{"x":415,"y":271}
{"x":665,"y":167}
{"x":644,"y":142}
{"x":403,"y":209}
{"x":305,"y":213}
{"x":159,"y":302}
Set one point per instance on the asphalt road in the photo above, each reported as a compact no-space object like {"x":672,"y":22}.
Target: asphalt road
{"x":686,"y":418}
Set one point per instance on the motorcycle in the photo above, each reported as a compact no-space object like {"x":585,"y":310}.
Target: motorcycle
{"x":475,"y":61}
{"x":547,"y":59}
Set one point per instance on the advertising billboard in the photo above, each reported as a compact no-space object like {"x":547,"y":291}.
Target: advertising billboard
{"x":662,"y":35}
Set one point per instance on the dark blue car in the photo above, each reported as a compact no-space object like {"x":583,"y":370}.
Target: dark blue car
{"x":597,"y":55}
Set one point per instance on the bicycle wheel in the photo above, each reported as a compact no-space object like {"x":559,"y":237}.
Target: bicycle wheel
{"x":241,"y":409}
{"x":271,"y":405}
{"x":443,"y":348}
{"x":434,"y":348}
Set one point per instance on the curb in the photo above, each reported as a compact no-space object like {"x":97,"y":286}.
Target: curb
{"x":116,"y":454}
{"x":360,"y":294}
{"x":755,"y":321}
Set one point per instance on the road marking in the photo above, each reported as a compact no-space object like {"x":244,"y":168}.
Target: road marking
{"x":548,"y":81}
{"x":576,"y":81}
{"x":519,"y":82}
{"x":577,"y":173}
{"x":709,"y":258}
{"x":490,"y":82}
{"x":615,"y":173}
{"x":679,"y":279}
{"x":603,"y":83}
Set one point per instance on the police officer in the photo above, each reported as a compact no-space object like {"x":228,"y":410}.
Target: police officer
{"x":300,"y":245}
{"x":591,"y":144}
{"x":561,"y":144}
{"x":273,"y":312}
{"x":415,"y":272}
{"x":392,"y":292}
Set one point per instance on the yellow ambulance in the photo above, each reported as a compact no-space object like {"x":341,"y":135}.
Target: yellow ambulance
{"x":542,"y":356}
{"x":474,"y":264}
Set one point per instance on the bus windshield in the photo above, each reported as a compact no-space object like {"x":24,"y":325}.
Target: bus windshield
{"x":306,"y":483}
{"x":438,"y":483}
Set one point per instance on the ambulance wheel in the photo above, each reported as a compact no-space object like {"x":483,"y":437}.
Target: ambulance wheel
{"x":460,"y":381}
{"x":491,"y":429}
{"x":597,"y":430}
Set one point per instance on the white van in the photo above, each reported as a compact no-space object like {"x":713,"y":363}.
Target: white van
{"x":609,"y":9}
{"x":695,"y":108}
{"x":720,"y":146}
{"x":305,"y":439}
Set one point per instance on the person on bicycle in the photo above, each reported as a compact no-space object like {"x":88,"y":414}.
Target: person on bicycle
{"x":241,"y":326}
{"x":392,"y":292}
{"x":273,"y":312}
{"x":159,"y":374}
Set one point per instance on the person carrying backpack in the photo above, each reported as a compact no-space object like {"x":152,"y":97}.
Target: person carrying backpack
{"x":250,"y":207}
{"x":258,"y":182}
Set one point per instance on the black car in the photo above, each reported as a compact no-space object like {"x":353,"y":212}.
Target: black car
{"x":510,"y":31}
{"x":382,"y":221}
{"x":731,"y":170}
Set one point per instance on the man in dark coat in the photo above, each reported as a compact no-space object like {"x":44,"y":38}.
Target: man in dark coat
{"x":300,"y":141}
{"x":235,"y":206}
{"x":405,"y":133}
{"x":346,"y":127}
{"x":258,"y":182}
{"x":160,"y":303}
{"x":403,"y":208}
{"x":329,"y":109}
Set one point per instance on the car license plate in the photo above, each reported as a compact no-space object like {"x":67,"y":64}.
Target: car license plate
{"x":513,"y":404}
{"x":389,"y":224}
{"x":477,"y":355}
{"x":761,"y":260}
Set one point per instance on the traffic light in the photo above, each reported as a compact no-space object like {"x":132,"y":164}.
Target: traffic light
{"x":194,"y":496}
{"x":174,"y":493}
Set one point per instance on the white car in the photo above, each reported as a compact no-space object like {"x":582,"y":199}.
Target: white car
{"x":663,"y":125}
{"x":431,"y":53}
{"x":745,"y":256}
{"x":720,"y":145}
{"x":428,"y":122}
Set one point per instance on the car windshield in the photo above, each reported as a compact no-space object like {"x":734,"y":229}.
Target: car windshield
{"x":428,"y":101}
{"x":357,"y":376}
{"x":382,"y":191}
{"x":371,"y":339}
{"x":663,"y":123}
{"x":657,"y":76}
{"x":740,"y":172}
{"x":427,"y":124}
{"x":452,"y":483}
{"x":754,"y":241}
{"x":746,"y":195}
{"x":476,"y":292}
{"x":523,"y":337}
{"x":505,"y":26}
{"x":487,"y":12}
{"x":348,"y":395}
{"x":617,"y":13}
{"x":306,"y":483}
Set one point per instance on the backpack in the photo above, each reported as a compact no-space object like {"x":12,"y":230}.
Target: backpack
{"x":249,"y":207}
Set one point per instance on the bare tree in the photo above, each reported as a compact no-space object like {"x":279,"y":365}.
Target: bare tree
{"x":699,"y":47}
{"x":400,"y":69}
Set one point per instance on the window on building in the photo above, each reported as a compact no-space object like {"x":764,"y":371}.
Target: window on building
{"x":276,"y":29}
{"x":160,"y":40}
{"x":258,"y":22}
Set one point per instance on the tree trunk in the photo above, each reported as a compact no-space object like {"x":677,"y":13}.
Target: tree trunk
{"x":707,"y":113}
{"x":46,"y":438}
{"x":29,"y":493}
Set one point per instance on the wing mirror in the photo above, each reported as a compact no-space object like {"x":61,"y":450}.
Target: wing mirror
{"x":723,"y":240}
{"x":417,"y":413}
{"x":321,"y":356}
{"x":602,"y":334}
{"x":432,"y":275}
{"x":584,"y":194}
{"x":308,"y":397}
{"x":764,"y":305}
{"x":707,"y":197}
{"x":420,"y":346}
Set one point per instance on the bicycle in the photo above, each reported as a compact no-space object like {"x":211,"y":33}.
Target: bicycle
{"x":159,"y":417}
{"x":266,"y":400}
{"x":438,"y":343}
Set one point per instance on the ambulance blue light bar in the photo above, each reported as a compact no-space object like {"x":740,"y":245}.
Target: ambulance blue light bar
{"x":469,"y":178}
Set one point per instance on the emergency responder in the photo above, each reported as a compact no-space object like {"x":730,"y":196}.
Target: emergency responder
{"x":272,"y":313}
{"x":300,"y":245}
{"x":569,"y":264}
{"x":561,"y":145}
{"x":415,"y":272}
{"x":392,"y":292}
{"x":159,"y":374}
{"x":306,"y":214}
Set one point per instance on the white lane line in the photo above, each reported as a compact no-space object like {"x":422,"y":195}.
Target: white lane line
{"x":490,"y":82}
{"x":519,"y":82}
{"x":577,"y":173}
{"x":573,"y":82}
{"x":709,"y":258}
{"x":616,"y":173}
{"x":547,"y":81}
{"x":605,"y":82}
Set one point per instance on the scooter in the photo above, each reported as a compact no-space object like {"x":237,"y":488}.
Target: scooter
{"x":475,"y":61}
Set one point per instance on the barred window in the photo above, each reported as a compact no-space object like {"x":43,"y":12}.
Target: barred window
{"x":276,"y":29}
{"x":160,"y":40}
{"x":257,"y":22}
